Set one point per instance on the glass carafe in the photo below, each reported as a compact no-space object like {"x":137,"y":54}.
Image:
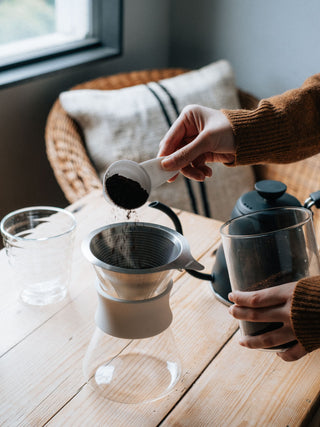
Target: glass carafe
{"x":132,"y":356}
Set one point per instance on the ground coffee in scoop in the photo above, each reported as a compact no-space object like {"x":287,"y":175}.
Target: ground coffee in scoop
{"x":125,"y":193}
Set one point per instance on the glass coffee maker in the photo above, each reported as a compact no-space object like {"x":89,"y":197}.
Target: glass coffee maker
{"x":132,"y":356}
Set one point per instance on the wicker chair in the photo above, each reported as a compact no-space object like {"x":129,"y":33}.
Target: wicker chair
{"x":65,"y":145}
{"x":77,"y":176}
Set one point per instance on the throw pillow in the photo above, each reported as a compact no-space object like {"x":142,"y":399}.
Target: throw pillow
{"x":129,"y":123}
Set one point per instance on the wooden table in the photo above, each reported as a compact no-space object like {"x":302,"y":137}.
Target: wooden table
{"x":222,"y":384}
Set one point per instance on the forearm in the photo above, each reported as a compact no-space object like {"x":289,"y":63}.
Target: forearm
{"x":282,"y":129}
{"x":305,"y":312}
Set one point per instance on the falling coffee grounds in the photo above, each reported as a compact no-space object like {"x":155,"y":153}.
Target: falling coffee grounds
{"x":125,"y":192}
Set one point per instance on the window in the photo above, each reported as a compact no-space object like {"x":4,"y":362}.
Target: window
{"x":42,"y":36}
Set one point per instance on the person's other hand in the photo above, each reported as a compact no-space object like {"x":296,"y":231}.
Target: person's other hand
{"x":199,"y":136}
{"x":268,"y":305}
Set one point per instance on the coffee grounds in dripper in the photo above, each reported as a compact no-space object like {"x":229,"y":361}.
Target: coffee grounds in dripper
{"x":125,"y":192}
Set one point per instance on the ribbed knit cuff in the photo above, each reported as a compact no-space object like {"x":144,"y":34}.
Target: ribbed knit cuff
{"x":305,"y":312}
{"x":261,"y":135}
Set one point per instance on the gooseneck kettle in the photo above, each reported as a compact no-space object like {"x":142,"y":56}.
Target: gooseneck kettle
{"x":267,"y":194}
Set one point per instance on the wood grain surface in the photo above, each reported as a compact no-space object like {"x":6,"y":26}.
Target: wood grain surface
{"x":222,"y":384}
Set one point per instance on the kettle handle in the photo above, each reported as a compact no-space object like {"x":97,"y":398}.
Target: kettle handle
{"x":313,"y":199}
{"x":177,"y":224}
{"x":169,"y":212}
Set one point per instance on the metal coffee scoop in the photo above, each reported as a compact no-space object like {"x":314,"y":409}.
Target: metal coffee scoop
{"x":148,"y":175}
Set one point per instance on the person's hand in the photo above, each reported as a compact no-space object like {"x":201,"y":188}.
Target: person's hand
{"x":268,"y":305}
{"x":199,"y":136}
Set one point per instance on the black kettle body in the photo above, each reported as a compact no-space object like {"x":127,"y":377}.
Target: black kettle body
{"x":267,"y":194}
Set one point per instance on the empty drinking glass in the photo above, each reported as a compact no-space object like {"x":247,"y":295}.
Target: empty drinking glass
{"x":39,"y":244}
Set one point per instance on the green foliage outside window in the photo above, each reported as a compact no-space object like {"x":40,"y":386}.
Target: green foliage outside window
{"x":21,"y":19}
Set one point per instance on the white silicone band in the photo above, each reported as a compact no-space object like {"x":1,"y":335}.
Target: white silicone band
{"x":133,"y":319}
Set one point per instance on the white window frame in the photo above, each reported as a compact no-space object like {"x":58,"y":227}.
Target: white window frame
{"x":105,"y":41}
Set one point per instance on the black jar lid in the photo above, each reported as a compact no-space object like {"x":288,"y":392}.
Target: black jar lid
{"x":267,"y":194}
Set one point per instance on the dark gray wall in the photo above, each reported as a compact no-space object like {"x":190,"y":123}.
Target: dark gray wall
{"x":273,"y":45}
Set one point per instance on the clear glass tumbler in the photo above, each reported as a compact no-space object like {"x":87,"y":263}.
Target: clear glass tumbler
{"x":269,"y":248}
{"x":39,"y":245}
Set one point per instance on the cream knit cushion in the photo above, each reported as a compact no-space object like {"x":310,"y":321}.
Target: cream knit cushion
{"x":129,"y":123}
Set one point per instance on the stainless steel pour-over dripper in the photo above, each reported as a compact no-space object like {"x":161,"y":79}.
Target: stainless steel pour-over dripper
{"x":134,"y":260}
{"x":132,"y":356}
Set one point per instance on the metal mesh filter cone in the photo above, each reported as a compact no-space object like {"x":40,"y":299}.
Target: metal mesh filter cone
{"x":131,"y":246}
{"x":135,"y":260}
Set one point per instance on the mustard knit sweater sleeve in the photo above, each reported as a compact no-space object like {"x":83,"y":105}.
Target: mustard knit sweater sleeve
{"x":285,"y":129}
{"x":305,"y":312}
{"x":282,"y":129}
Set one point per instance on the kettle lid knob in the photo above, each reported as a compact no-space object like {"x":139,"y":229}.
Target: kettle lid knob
{"x":269,"y":189}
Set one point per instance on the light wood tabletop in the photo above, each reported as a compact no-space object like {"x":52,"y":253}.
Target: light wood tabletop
{"x":222,"y":383}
